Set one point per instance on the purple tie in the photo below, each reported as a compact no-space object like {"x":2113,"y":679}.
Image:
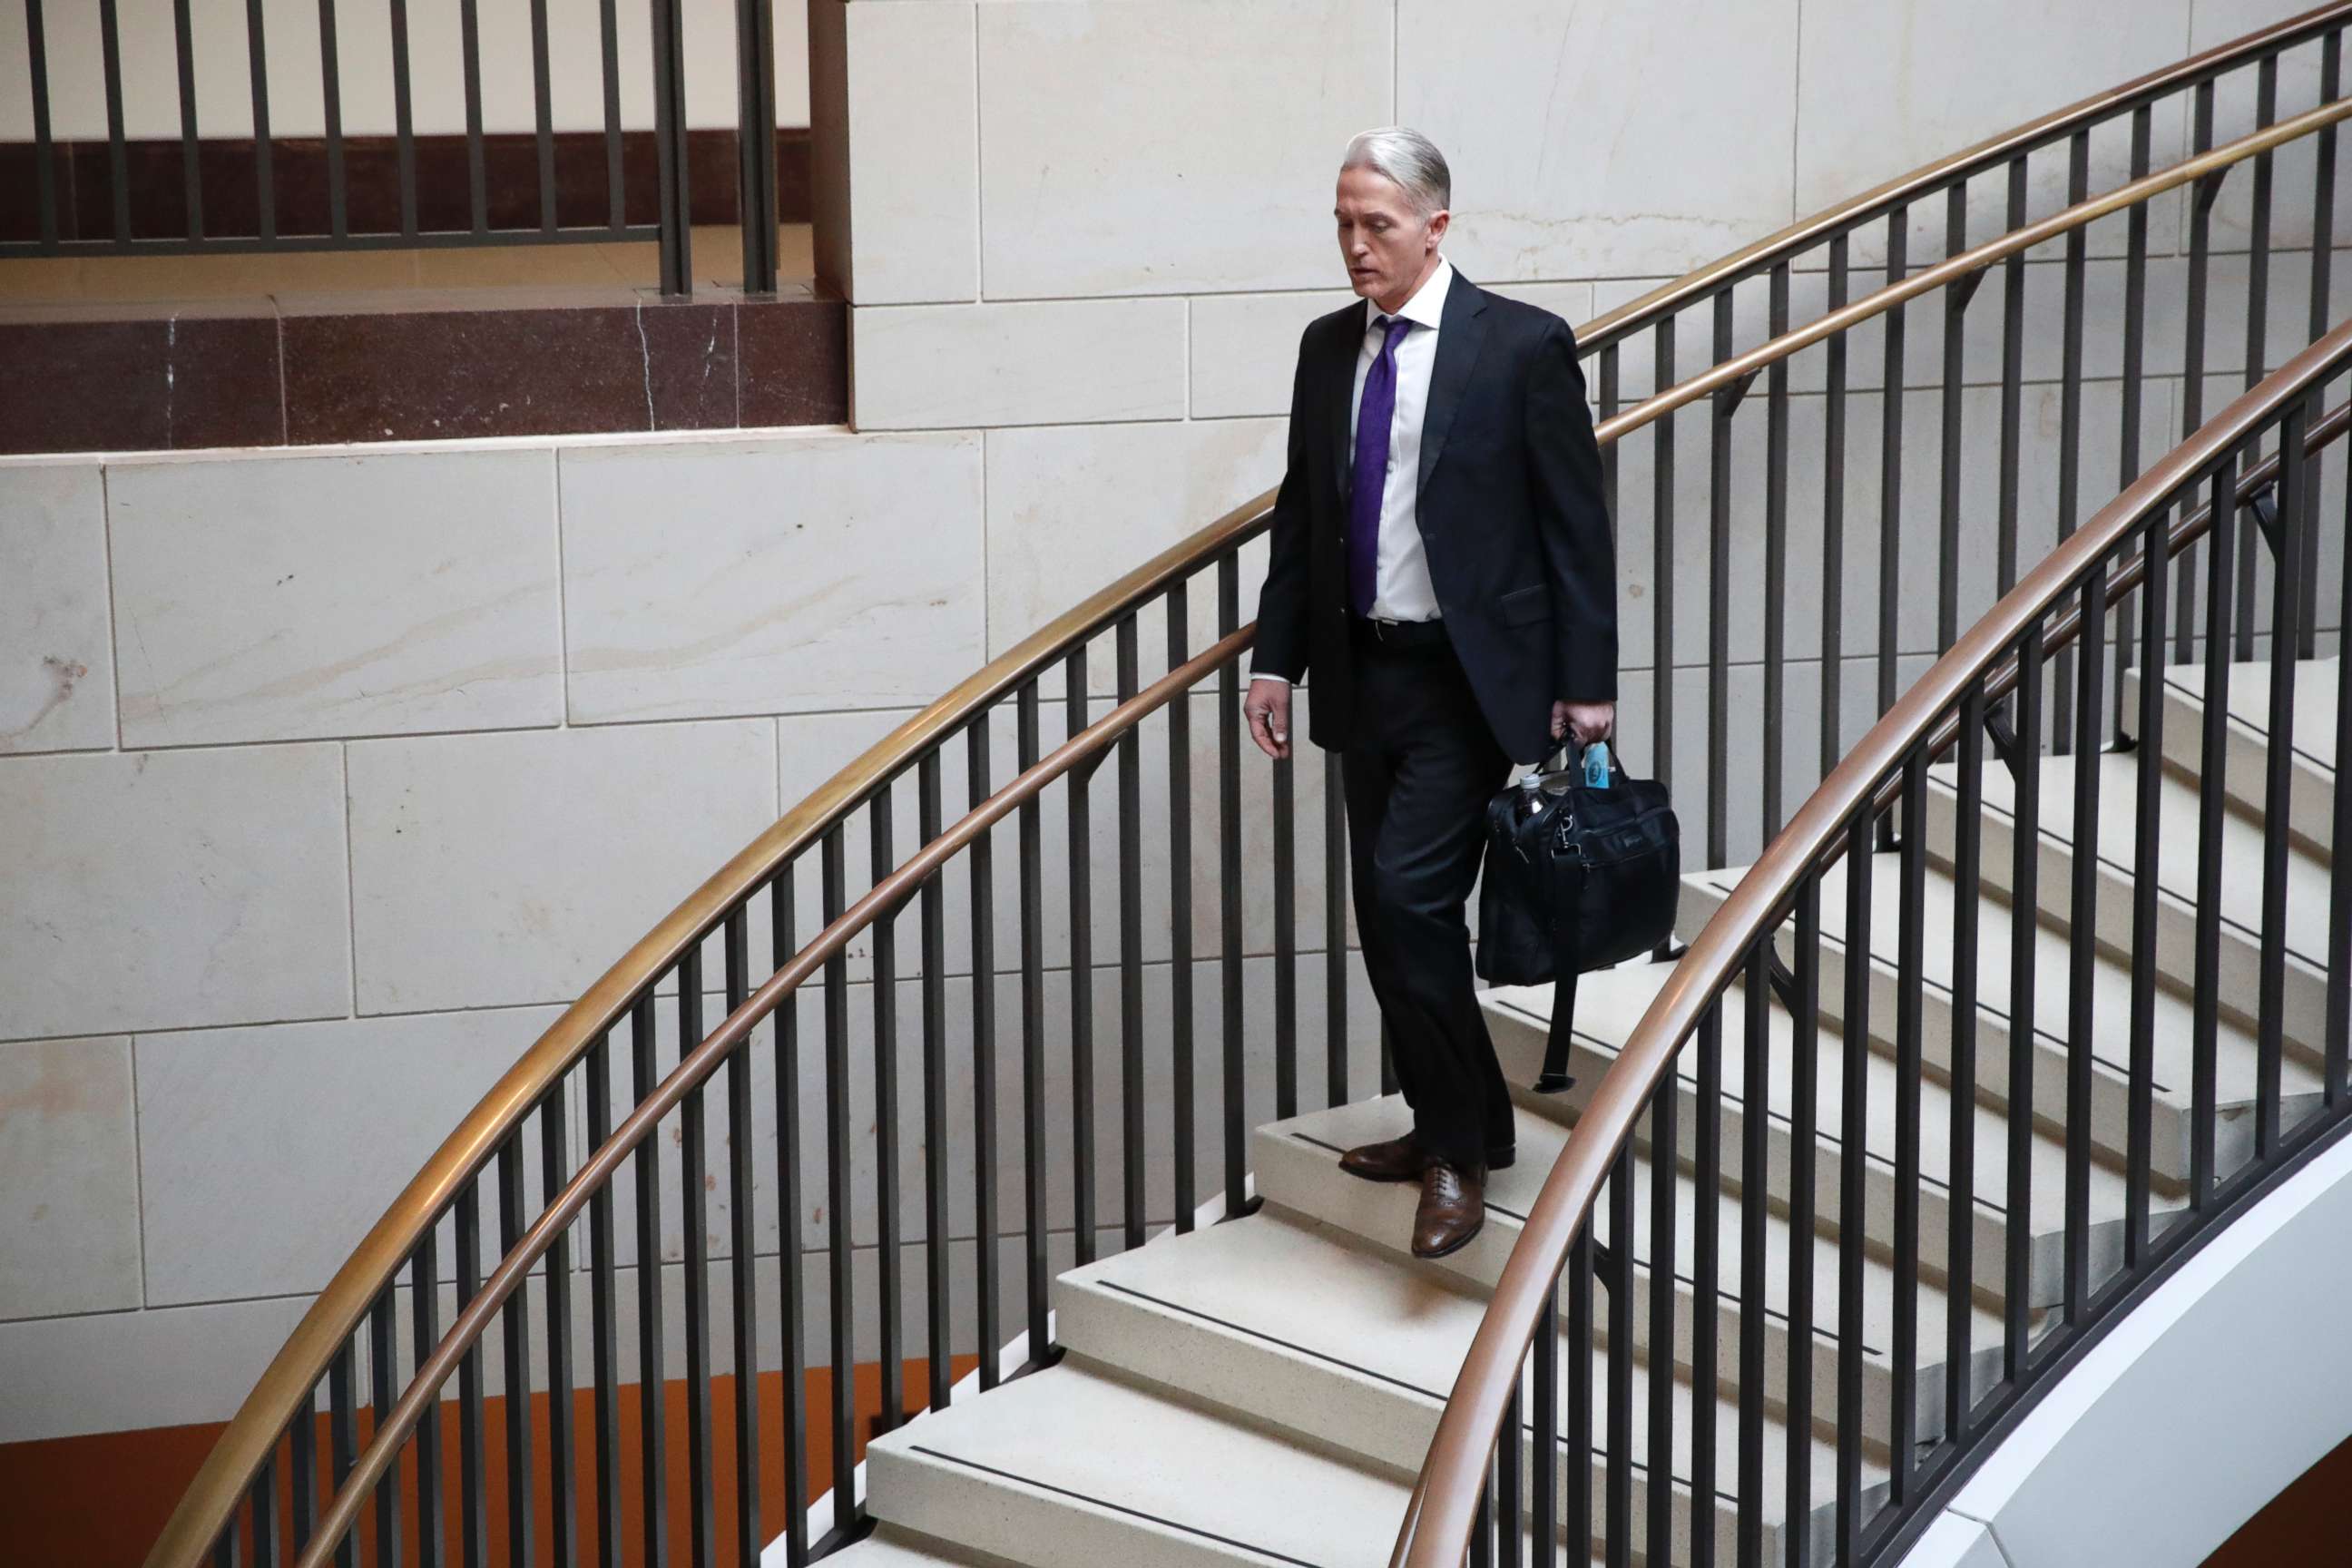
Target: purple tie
{"x":1373,"y":417}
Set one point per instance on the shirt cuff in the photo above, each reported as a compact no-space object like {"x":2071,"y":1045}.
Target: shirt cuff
{"x":1264,"y":674}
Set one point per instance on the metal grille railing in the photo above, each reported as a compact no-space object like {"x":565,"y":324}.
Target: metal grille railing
{"x":205,"y":228}
{"x":1053,"y":1030}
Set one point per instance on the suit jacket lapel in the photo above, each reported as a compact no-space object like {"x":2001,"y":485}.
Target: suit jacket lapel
{"x":1339,"y":369}
{"x":1463,"y":332}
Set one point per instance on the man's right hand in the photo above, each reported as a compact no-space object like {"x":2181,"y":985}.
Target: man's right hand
{"x":1267,"y":706}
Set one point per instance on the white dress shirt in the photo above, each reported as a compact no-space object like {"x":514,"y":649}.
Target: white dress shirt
{"x":1402,"y":590}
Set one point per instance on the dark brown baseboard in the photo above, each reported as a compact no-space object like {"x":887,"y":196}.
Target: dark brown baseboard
{"x":403,"y":365}
{"x":156,"y":181}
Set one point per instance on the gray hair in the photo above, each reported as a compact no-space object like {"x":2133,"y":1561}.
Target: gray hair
{"x":1409,"y":158}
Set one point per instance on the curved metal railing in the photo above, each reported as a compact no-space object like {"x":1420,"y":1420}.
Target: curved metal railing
{"x":263,"y":1478}
{"x":2125,"y":550}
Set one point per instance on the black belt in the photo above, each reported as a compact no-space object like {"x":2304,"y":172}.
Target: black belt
{"x":1402,"y":636}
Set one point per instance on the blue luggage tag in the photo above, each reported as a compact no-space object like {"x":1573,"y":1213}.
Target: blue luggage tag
{"x":1596,"y":766}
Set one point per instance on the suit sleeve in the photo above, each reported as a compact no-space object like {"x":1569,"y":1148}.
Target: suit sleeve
{"x":1284,"y":603}
{"x":1572,"y":523}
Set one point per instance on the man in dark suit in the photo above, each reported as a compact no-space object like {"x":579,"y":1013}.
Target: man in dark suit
{"x":1442,"y":563}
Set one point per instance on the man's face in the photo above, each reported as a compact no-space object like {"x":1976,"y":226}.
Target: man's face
{"x":1383,"y":242}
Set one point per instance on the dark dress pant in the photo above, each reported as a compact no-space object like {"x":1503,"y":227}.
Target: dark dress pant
{"x":1420,"y":768}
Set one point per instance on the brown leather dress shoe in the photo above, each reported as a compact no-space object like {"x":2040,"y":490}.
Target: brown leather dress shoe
{"x":1453,"y":1207}
{"x":1403,"y":1159}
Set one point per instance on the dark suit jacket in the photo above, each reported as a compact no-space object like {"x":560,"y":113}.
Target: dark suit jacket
{"x":1511,"y":514}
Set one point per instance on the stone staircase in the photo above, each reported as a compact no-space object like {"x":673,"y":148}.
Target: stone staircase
{"x":1261,"y":1392}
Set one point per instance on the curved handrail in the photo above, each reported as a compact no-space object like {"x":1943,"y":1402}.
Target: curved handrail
{"x":1439,"y":1518}
{"x":696,"y":1066}
{"x":1754,"y":261}
{"x":286,"y":1384}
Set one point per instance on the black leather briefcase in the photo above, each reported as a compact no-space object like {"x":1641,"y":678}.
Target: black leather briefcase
{"x":1577,"y":878}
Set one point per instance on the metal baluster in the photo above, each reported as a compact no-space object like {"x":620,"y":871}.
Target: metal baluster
{"x":1229,"y":900}
{"x":1755,"y":1185}
{"x":1184,"y":1137}
{"x":670,"y":147}
{"x":1033,"y":1029}
{"x":2017,"y":1287}
{"x":1718,"y":600}
{"x":1834,"y":520}
{"x":840,"y":1241}
{"x":1481,"y":1534}
{"x":1133,"y":1140}
{"x":1080,"y":823}
{"x":45,"y":152}
{"x":562,"y":1452}
{"x":1665,"y":1141}
{"x":543,"y":116}
{"x":1805,"y":1046}
{"x":2258,"y":291}
{"x":608,"y":37}
{"x":1890,"y":468}
{"x":937,"y":1220}
{"x":755,"y":96}
{"x":1961,"y":1183}
{"x":342,"y":1425}
{"x":2212,"y":787}
{"x":652,"y":1448}
{"x":424,"y":1333}
{"x":1286,"y":942}
{"x":1618,"y":1483}
{"x":192,"y":179}
{"x":515,"y":1342}
{"x":1543,"y":1480}
{"x":2069,"y":406}
{"x":791,"y":1323}
{"x":118,"y":159}
{"x":694,"y":1219}
{"x":2082,"y":925}
{"x":469,"y":48}
{"x":1948,"y":498}
{"x":2192,"y":374}
{"x":985,"y":1293}
{"x":1852,"y":1188}
{"x":2012,"y":387}
{"x":2338,"y":1049}
{"x":1910,"y":988}
{"x":1706,"y":1277}
{"x":2150,"y":801}
{"x":256,"y":51}
{"x":331,"y":91}
{"x":264,"y":1496}
{"x":404,"y":120}
{"x":1578,"y":1519}
{"x":2286,"y":600}
{"x":889,"y":1269}
{"x":604,"y":1316}
{"x":302,"y":1465}
{"x":1506,"y":1486}
{"x":742,"y":1247}
{"x":2134,"y":321}
{"x":2323,"y":239}
{"x":1661,"y":545}
{"x":473,"y":1481}
{"x":1776,"y":552}
{"x":1335,"y":934}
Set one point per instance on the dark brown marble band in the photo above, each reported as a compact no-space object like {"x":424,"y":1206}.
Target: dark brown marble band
{"x":400,"y":366}
{"x":157,"y":181}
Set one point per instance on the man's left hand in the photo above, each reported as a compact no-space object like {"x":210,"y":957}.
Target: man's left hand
{"x":1584,"y":722}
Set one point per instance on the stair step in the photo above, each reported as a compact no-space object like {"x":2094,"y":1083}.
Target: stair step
{"x":2312,"y":781}
{"x":2307,"y":885}
{"x":1280,"y":1317}
{"x":1071,"y":1467}
{"x":891,"y":1547}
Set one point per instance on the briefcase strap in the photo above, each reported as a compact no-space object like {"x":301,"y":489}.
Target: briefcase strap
{"x":1567,"y":895}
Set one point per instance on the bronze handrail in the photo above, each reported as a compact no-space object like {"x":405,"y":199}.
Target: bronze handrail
{"x":285,"y":1386}
{"x":1438,"y":1519}
{"x":696,"y":1066}
{"x":1625,"y":319}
